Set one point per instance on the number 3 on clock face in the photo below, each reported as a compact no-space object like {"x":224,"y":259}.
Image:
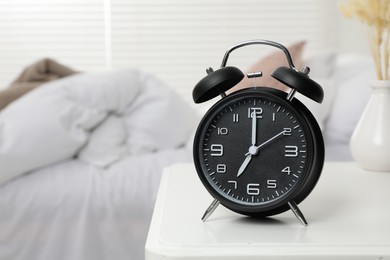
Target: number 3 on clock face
{"x":255,"y":151}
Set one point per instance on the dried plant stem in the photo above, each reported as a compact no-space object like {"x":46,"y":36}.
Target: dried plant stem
{"x":376,"y":14}
{"x":386,"y":47}
{"x":375,"y":43}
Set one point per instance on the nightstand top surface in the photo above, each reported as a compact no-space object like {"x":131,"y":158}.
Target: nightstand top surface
{"x":348,"y":214}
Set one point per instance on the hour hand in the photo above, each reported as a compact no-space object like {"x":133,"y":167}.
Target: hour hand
{"x":243,"y":166}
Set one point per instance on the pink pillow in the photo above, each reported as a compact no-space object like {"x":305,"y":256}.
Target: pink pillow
{"x":268,"y":64}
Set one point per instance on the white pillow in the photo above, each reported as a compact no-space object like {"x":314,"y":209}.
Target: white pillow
{"x":352,"y":78}
{"x":65,"y":117}
{"x":106,"y":144}
{"x":158,"y":119}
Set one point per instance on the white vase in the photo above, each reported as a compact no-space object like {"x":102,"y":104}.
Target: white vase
{"x":370,"y":141}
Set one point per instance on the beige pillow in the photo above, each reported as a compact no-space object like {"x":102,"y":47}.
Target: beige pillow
{"x":268,"y":64}
{"x":33,"y":76}
{"x":8,"y":95}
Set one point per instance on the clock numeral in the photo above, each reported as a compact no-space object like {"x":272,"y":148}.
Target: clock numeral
{"x":235,"y":118}
{"x":221,"y":168}
{"x":271,"y":184}
{"x":234,"y":183}
{"x":291,"y":151}
{"x":222,"y":131}
{"x":287,"y":170}
{"x":287,"y":131}
{"x":253,"y":189}
{"x":216,"y":150}
{"x":255,"y":111}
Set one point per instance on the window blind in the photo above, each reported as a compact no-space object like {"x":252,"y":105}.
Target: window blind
{"x":71,"y":31}
{"x":177,"y":39}
{"x":173,"y":39}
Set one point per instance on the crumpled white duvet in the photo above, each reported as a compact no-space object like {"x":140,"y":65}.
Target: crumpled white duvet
{"x":98,"y":118}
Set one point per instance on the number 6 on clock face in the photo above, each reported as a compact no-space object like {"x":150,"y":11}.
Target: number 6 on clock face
{"x":255,"y":151}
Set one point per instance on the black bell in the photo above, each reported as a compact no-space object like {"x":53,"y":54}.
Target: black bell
{"x":301,"y":82}
{"x":215,"y":83}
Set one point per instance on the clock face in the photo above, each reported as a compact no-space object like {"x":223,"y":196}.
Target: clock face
{"x":253,"y":151}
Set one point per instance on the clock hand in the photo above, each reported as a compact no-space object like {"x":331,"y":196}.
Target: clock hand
{"x":270,"y":140}
{"x":252,"y":149}
{"x":243,"y":166}
{"x":266,"y":142}
{"x":254,"y":126}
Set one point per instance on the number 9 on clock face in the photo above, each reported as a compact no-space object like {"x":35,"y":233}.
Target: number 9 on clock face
{"x":255,"y":151}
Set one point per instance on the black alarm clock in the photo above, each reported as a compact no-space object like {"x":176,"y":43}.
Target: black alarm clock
{"x":258,"y":151}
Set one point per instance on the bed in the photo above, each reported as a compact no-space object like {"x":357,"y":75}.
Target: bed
{"x":81,"y":156}
{"x":80,"y":162}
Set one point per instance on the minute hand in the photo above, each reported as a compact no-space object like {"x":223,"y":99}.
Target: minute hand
{"x":254,"y":127}
{"x":268,"y":141}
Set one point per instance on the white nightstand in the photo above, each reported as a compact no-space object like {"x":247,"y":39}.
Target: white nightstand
{"x":348,"y":214}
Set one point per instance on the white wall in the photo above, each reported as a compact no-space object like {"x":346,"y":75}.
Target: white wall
{"x":351,"y":36}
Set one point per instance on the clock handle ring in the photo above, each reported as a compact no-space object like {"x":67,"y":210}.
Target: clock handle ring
{"x":262,"y":42}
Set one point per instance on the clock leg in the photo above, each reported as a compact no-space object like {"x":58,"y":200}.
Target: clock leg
{"x":210,"y":210}
{"x":297,"y":212}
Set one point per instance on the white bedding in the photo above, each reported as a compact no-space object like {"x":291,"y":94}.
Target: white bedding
{"x":80,"y":164}
{"x":74,"y":210}
{"x":97,"y":117}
